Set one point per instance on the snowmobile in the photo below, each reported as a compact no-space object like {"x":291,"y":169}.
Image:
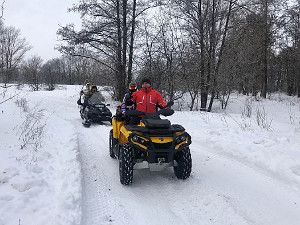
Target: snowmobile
{"x":94,"y":110}
{"x":150,"y":143}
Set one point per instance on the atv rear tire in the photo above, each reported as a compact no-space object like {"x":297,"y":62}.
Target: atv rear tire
{"x":126,"y":164}
{"x":112,"y":143}
{"x":184,"y":164}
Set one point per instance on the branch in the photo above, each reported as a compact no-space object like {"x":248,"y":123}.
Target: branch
{"x":2,"y":9}
{"x":8,"y":86}
{"x":9,"y":98}
{"x":240,"y":6}
{"x":93,"y":58}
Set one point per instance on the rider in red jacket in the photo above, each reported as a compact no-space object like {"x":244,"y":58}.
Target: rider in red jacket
{"x":147,"y":99}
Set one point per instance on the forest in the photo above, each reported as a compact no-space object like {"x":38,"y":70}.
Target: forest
{"x":207,"y":49}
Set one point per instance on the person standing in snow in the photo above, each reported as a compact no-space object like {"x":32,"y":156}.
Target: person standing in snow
{"x":148,"y":99}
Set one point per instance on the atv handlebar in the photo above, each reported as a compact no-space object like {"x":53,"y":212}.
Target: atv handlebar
{"x":136,"y":113}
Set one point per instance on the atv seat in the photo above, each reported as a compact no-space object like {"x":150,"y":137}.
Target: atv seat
{"x":156,"y":123}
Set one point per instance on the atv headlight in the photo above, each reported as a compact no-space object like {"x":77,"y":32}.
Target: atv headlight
{"x":180,"y":139}
{"x":139,"y":140}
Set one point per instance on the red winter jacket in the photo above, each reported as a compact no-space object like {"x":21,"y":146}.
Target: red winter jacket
{"x":147,"y":99}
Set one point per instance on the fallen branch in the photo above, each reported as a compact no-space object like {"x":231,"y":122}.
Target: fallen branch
{"x":9,"y":98}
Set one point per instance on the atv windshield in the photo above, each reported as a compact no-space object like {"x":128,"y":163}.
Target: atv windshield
{"x":96,"y":99}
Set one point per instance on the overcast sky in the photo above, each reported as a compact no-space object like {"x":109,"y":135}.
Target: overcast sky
{"x":38,"y":21}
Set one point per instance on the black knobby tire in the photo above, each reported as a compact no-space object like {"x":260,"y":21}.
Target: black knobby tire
{"x":81,"y":115}
{"x":86,"y":123}
{"x":126,"y":164}
{"x":112,"y":143}
{"x":184,"y":164}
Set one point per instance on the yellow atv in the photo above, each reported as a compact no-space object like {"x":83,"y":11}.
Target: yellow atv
{"x":150,"y":142}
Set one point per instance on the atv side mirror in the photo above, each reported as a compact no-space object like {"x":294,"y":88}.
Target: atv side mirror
{"x":170,"y":103}
{"x":107,"y":104}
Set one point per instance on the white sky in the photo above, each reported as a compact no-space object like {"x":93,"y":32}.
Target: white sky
{"x":38,"y":21}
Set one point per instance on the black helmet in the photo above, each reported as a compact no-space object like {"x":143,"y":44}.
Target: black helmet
{"x":94,"y":87}
{"x":146,"y":80}
{"x":132,"y":86}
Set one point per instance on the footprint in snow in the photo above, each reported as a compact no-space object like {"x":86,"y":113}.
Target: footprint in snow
{"x":6,"y":198}
{"x":25,"y":186}
{"x":259,"y":141}
{"x":296,"y":170}
{"x":35,"y":168}
{"x":7,"y":174}
{"x":21,"y":187}
{"x":108,"y":219}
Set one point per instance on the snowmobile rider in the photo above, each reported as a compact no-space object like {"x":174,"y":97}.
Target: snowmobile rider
{"x":127,"y":103}
{"x":87,"y":87}
{"x":93,"y":90}
{"x":148,"y":99}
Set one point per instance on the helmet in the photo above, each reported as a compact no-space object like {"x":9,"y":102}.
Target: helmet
{"x":94,"y":87}
{"x":132,"y":86}
{"x":146,"y":80}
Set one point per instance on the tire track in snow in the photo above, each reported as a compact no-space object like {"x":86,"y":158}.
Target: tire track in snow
{"x":105,"y":200}
{"x":154,"y":198}
{"x":256,"y":197}
{"x":99,"y":206}
{"x":263,"y":170}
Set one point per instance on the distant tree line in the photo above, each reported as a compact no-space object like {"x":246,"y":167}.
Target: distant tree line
{"x":206,"y":48}
{"x":16,"y":68}
{"x":64,"y":70}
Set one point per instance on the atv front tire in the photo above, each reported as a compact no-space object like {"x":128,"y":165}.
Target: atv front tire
{"x":112,"y":143}
{"x":86,"y":123}
{"x":126,"y":164}
{"x":184,"y":164}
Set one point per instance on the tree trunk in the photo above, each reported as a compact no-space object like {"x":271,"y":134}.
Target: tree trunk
{"x":298,"y":85}
{"x":212,"y":56}
{"x":193,"y":97}
{"x":130,"y":60}
{"x":265,"y":52}
{"x":202,"y":60}
{"x":119,"y":71}
{"x":124,"y":38}
{"x":216,"y":74}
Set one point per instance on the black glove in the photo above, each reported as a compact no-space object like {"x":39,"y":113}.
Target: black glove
{"x":170,"y":103}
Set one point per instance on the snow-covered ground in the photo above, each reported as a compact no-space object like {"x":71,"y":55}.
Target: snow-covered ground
{"x":246,"y":166}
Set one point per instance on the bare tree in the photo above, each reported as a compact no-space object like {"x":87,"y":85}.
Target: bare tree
{"x":12,"y":52}
{"x":207,"y":23}
{"x":31,"y":71}
{"x":2,"y":9}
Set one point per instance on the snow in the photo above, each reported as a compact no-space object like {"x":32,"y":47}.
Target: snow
{"x":33,"y":181}
{"x":243,"y":172}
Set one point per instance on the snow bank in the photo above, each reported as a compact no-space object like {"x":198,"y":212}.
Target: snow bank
{"x":40,"y":180}
{"x":273,"y":149}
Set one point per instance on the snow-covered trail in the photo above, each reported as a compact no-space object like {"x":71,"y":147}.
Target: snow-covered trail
{"x":221,"y":190}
